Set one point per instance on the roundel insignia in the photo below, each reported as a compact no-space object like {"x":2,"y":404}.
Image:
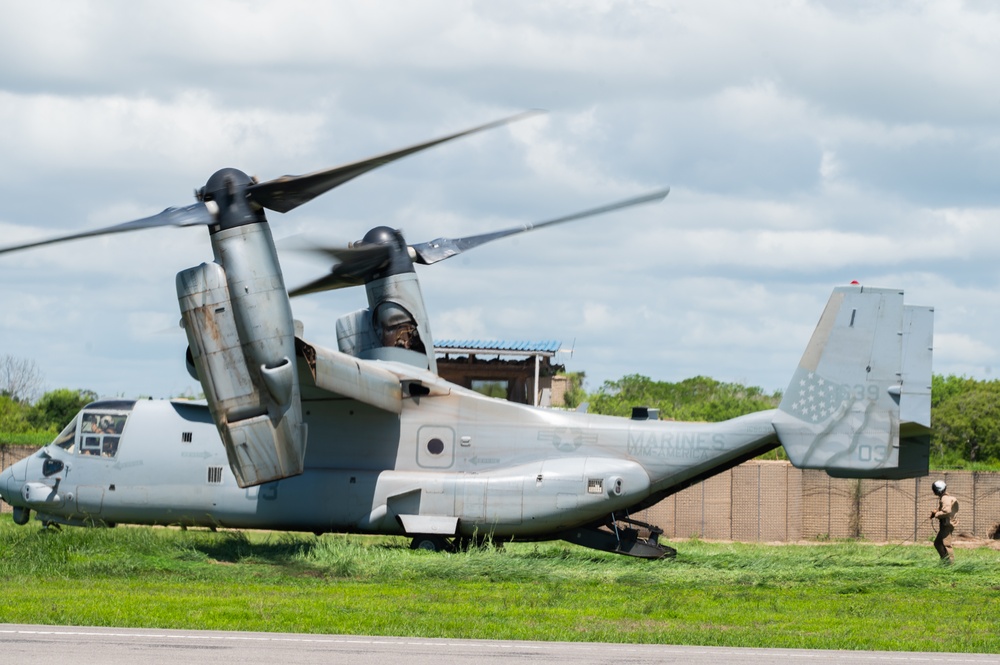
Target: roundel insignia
{"x":567,"y":439}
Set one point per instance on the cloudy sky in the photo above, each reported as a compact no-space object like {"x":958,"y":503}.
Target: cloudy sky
{"x":806,"y":144}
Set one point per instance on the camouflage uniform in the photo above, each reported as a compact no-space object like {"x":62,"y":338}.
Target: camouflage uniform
{"x":946,"y":514}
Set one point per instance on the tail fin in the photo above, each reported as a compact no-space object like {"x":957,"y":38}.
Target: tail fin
{"x":859,"y":403}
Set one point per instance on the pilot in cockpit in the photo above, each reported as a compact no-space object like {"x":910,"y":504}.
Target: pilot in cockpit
{"x":396,"y":327}
{"x":91,"y":425}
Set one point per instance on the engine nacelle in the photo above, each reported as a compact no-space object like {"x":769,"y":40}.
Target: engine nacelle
{"x":242,"y":344}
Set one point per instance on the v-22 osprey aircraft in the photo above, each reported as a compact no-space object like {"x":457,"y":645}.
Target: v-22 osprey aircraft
{"x":365,"y":437}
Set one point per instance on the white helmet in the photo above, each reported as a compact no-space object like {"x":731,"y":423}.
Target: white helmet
{"x":938,"y":487}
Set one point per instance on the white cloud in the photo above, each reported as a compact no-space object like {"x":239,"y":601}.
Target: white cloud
{"x":806,"y":143}
{"x":962,"y":350}
{"x":463,"y":323}
{"x":115,"y":132}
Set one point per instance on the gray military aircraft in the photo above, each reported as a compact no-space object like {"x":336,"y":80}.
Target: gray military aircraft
{"x":395,"y":449}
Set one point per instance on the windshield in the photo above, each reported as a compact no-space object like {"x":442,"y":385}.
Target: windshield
{"x":100,"y":433}
{"x":93,"y":432}
{"x":67,"y":437}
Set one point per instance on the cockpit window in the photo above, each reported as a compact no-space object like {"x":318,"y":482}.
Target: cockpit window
{"x":100,"y":433}
{"x":67,"y":437}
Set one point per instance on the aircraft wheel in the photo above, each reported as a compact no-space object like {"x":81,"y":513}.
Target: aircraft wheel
{"x":21,"y":515}
{"x":432,"y":543}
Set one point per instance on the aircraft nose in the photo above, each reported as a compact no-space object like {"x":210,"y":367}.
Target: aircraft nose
{"x":10,"y":488}
{"x":12,"y":481}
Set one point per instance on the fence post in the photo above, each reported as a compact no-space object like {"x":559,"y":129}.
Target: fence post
{"x":975,"y":486}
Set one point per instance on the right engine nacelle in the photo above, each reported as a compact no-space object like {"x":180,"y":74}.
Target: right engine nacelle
{"x":251,"y":385}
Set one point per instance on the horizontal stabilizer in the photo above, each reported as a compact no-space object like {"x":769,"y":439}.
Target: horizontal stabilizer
{"x":859,"y":401}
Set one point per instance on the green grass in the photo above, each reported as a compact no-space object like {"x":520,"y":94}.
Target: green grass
{"x":827,"y":596}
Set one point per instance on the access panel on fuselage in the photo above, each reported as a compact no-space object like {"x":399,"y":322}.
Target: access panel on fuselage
{"x":344,"y":434}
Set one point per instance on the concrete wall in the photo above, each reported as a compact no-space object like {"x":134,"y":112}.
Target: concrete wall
{"x":775,"y":502}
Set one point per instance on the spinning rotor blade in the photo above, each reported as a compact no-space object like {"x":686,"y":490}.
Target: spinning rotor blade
{"x":335,"y":280}
{"x":358,"y":263}
{"x":197,"y":214}
{"x":290,"y":191}
{"x":445,"y":248}
{"x":281,"y":194}
{"x":355,"y":265}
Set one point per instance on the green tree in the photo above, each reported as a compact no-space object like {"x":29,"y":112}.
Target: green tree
{"x":56,"y":408}
{"x":944,"y":388}
{"x":965,"y":421}
{"x":575,"y":394}
{"x":697,"y":399}
{"x":13,"y":416}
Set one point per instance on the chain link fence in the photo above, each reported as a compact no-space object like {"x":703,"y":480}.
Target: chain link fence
{"x":775,"y":502}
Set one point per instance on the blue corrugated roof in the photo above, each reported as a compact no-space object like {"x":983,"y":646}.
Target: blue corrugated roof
{"x":497,"y":346}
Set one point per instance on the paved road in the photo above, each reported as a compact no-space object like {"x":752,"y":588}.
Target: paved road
{"x":28,"y":645}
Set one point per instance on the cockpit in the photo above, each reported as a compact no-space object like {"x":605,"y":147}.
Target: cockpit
{"x":97,"y":430}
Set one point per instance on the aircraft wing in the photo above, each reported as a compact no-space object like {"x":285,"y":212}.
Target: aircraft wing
{"x":381,"y":384}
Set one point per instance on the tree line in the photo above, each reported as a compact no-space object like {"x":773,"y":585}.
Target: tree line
{"x":25,"y":422}
{"x":965,"y":413}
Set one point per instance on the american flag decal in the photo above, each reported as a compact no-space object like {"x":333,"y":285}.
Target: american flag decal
{"x":814,"y":399}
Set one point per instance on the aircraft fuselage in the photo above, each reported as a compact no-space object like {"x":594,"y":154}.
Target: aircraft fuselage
{"x":459,"y":463}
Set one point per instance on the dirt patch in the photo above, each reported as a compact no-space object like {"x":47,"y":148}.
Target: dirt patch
{"x":968,"y":541}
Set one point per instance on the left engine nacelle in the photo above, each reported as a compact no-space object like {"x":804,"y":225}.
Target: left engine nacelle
{"x":243,"y":349}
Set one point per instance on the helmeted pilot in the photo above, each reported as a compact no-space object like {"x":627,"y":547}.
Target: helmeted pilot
{"x":396,"y":327}
{"x":107,"y":425}
{"x":946,"y":515}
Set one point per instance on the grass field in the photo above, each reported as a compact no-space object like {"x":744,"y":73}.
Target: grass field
{"x":826,"y":596}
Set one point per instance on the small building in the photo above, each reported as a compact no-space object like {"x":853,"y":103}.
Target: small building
{"x":520,"y":372}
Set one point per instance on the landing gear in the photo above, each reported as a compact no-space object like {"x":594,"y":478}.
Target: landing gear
{"x":621,"y":535}
{"x":432,"y":543}
{"x":436,"y":543}
{"x":21,"y":515}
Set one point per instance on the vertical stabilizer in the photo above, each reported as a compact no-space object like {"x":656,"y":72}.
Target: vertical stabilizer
{"x":858,"y":404}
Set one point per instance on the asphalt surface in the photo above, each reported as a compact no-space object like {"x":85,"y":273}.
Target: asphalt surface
{"x":28,"y":645}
